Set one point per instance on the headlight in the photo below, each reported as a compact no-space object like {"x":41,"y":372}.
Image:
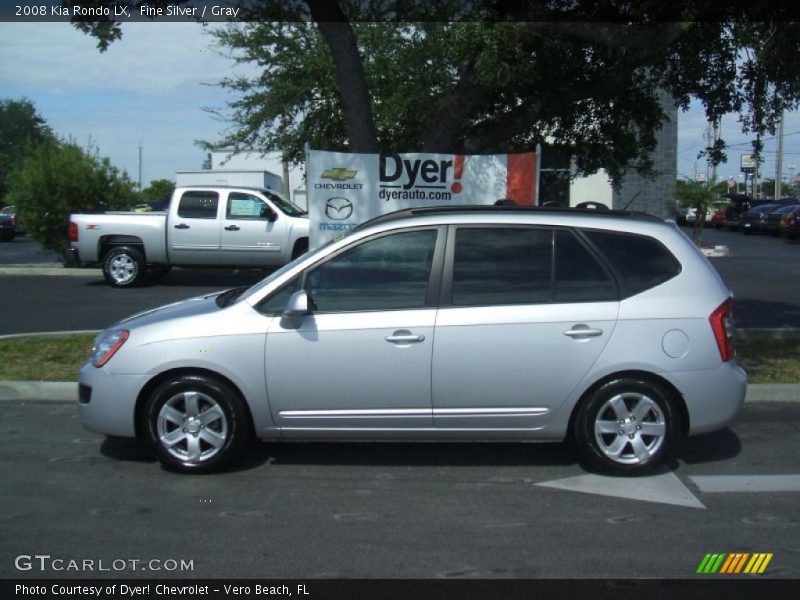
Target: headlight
{"x":106,"y":345}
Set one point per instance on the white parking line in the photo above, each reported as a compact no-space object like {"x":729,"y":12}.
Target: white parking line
{"x":747,"y":483}
{"x":664,"y":488}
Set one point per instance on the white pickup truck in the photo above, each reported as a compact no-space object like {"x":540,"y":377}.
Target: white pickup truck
{"x":204,"y":226}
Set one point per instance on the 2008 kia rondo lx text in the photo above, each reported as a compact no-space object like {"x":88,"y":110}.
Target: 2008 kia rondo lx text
{"x":451,"y":323}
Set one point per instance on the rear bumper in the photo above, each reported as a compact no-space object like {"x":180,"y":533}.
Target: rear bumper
{"x":72,"y":257}
{"x":713,"y":397}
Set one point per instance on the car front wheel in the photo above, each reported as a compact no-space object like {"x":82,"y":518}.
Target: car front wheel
{"x":627,"y":426}
{"x":195,"y":423}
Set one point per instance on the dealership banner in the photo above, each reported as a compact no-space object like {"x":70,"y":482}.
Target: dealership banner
{"x":346,"y":189}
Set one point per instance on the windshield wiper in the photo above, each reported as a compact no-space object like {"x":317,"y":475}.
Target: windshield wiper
{"x":229,"y":297}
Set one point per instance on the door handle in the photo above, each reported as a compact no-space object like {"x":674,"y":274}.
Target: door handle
{"x":405,"y":337}
{"x":232,"y":228}
{"x":583,"y":331}
{"x":181,"y":226}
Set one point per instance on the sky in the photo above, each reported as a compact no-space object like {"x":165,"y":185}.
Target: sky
{"x":152,"y":86}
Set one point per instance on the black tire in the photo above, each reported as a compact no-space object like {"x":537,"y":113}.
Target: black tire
{"x":197,"y":444}
{"x":124,"y":266}
{"x":7,"y":236}
{"x":300,"y":248}
{"x":608,"y":426}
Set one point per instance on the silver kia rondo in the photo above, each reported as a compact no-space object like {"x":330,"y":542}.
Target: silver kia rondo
{"x":459,"y":323}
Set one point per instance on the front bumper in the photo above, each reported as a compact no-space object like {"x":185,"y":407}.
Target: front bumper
{"x":108,"y":401}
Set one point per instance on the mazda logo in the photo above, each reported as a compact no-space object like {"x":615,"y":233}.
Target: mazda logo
{"x":338,"y":209}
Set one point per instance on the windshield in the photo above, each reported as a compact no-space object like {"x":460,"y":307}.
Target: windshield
{"x":282,"y":203}
{"x":276,"y":274}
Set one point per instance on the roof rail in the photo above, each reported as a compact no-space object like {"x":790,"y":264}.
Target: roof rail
{"x":489,"y":209}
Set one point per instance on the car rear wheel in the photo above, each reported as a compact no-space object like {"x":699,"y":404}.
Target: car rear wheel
{"x":195,"y":423}
{"x":124,"y":266}
{"x":627,"y":426}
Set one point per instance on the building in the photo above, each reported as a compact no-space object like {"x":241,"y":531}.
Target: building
{"x":246,"y":169}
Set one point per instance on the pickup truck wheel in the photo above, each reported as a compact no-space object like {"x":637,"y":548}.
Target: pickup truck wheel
{"x":124,"y":266}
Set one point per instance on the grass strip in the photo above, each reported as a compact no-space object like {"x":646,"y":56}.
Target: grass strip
{"x":58,"y":358}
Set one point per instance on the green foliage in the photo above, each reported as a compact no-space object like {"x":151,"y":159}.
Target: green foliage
{"x":699,"y":195}
{"x":487,"y":76}
{"x":58,"y":178}
{"x":159,"y":189}
{"x":21,"y":129}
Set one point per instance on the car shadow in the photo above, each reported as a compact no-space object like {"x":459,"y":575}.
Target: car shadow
{"x":710,"y":447}
{"x":421,"y":454}
{"x":713,"y":447}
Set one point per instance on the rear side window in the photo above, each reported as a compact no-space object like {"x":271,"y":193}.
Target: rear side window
{"x":579,"y":276}
{"x":198,"y":205}
{"x":641,"y":262}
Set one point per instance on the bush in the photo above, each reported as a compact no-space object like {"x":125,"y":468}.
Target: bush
{"x":58,"y":178}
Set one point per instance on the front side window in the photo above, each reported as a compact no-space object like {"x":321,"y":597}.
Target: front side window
{"x":386,"y":273}
{"x":198,"y":205}
{"x":497,"y":266}
{"x":244,"y":206}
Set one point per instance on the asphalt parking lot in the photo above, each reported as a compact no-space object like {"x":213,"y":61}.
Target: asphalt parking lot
{"x":439,"y":511}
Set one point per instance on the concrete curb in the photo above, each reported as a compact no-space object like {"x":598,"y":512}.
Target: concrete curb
{"x":716,"y":251}
{"x":48,"y":270}
{"x":67,"y":391}
{"x":59,"y":391}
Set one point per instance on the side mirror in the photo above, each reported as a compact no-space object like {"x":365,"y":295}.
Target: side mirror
{"x":296,"y":308}
{"x":268,"y":214}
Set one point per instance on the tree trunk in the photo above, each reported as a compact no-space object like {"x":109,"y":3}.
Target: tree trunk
{"x":350,"y":78}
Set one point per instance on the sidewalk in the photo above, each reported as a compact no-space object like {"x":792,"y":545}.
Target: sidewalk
{"x":67,"y":391}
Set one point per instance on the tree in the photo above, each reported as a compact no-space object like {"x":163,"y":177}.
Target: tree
{"x":159,"y":189}
{"x":21,"y":129}
{"x":503,"y":77}
{"x":699,"y":195}
{"x":58,"y":178}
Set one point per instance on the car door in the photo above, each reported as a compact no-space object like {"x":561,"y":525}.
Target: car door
{"x":249,"y":236}
{"x":362,"y":359}
{"x":194,"y":229}
{"x":525,"y":313}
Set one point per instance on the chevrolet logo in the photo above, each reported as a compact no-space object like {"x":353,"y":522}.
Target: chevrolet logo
{"x":339,"y":174}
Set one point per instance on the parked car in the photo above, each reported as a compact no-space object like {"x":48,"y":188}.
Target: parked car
{"x":738,"y":204}
{"x":456,"y":323}
{"x":755,"y":219}
{"x":7,"y":228}
{"x":11,"y":211}
{"x":717,"y":219}
{"x":792,"y":228}
{"x":772,"y":225}
{"x":203,"y":226}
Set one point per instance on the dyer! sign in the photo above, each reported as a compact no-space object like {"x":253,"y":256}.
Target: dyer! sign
{"x":346,"y":189}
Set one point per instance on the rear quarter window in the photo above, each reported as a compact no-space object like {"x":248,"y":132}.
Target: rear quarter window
{"x":640,"y":262}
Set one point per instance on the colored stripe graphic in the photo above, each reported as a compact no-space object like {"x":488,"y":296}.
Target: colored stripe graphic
{"x":734,"y":563}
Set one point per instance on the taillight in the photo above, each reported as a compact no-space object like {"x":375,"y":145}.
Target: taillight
{"x":73,"y":232}
{"x":722,"y":325}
